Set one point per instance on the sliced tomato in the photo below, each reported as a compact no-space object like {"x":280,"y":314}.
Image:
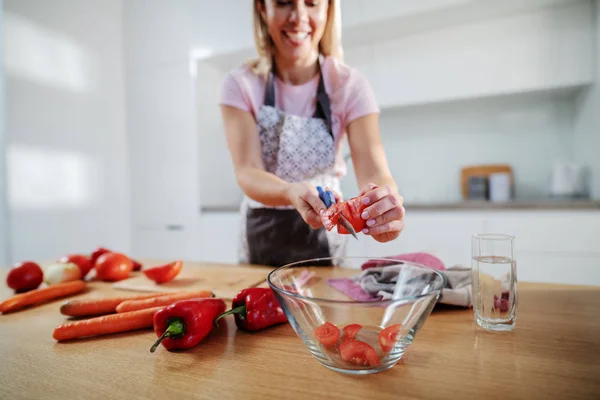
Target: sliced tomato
{"x":164,"y":273}
{"x":328,"y":334}
{"x":359,"y":353}
{"x":351,"y":210}
{"x":350,"y":331}
{"x":387,"y":337}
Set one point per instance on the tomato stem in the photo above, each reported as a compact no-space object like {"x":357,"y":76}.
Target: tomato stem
{"x":175,"y":328}
{"x":241,"y":310}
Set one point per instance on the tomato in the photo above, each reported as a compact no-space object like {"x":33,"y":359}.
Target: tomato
{"x":97,"y":253}
{"x":328,"y":334}
{"x":136,"y":265}
{"x":113,"y":267}
{"x":101,"y":250}
{"x":350,"y":331}
{"x":25,"y":276}
{"x":387,"y":337}
{"x":83,"y":262}
{"x":359,"y":353}
{"x":351,"y":210}
{"x":164,"y":273}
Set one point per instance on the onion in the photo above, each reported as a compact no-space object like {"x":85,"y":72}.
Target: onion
{"x":61,"y":272}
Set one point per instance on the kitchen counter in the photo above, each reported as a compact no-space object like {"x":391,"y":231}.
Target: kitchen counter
{"x":512,"y":205}
{"x":553,"y":353}
{"x":542,"y":204}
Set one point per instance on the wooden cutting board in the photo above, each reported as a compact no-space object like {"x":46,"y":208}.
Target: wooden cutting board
{"x":224,"y":280}
{"x":482,"y":170}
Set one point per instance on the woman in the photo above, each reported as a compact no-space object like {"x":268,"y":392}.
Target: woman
{"x":285,"y":115}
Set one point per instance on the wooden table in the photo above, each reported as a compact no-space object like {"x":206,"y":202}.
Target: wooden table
{"x":553,"y":353}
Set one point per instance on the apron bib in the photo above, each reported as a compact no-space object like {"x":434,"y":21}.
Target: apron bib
{"x":294,"y":149}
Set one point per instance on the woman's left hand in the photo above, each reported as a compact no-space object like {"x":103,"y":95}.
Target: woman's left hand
{"x":384,"y":213}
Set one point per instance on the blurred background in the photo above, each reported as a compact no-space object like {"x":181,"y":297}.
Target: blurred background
{"x":110,"y":132}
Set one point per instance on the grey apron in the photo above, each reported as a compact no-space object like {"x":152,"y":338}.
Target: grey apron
{"x":295,"y":149}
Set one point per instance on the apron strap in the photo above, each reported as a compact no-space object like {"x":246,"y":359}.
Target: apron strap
{"x":323,"y":106}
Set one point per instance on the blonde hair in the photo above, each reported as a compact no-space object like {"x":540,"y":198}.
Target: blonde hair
{"x":330,"y":44}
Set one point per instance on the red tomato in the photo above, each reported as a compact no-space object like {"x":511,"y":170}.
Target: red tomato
{"x":328,"y":334}
{"x":113,"y":267}
{"x":101,"y":250}
{"x":351,"y":210}
{"x":97,"y":253}
{"x":164,"y":273}
{"x":387,"y":337}
{"x":136,"y":265}
{"x":25,"y":276}
{"x":350,"y":331}
{"x":83,"y":262}
{"x":359,"y":353}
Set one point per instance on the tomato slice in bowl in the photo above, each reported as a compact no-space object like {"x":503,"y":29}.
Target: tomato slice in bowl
{"x":328,"y":334}
{"x":164,"y":273}
{"x":350,"y":331}
{"x":359,"y":353}
{"x":387,"y":337}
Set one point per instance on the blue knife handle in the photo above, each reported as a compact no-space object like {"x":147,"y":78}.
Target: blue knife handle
{"x":326,"y":196}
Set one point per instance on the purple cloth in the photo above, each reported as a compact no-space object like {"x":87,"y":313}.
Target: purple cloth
{"x":352,"y":288}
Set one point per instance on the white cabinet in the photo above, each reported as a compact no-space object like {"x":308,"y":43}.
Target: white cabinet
{"x":218,"y":237}
{"x":163,"y":147}
{"x":214,"y":239}
{"x":542,"y":50}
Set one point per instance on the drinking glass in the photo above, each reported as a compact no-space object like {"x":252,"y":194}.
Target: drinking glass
{"x":494,"y":278}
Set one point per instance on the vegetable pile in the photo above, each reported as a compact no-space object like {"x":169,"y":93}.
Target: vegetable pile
{"x":180,"y":320}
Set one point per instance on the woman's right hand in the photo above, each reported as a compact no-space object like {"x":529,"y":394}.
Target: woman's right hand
{"x":305,"y":198}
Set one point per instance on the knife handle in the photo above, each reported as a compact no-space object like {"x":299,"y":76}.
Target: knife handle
{"x":326,"y":196}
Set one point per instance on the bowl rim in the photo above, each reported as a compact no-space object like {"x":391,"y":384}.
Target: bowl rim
{"x":390,"y":301}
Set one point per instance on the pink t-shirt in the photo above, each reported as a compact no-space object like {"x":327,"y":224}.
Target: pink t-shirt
{"x":350,"y":95}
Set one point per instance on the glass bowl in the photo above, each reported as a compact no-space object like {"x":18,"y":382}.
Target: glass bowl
{"x":353,"y":320}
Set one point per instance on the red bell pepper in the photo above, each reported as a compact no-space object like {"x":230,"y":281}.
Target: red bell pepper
{"x":185,"y":323}
{"x":255,"y":309}
{"x":351,"y":210}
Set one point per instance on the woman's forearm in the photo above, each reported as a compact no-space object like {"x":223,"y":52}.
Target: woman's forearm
{"x":264,"y":187}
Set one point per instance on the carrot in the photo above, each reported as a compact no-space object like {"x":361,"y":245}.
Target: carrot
{"x":91,"y":307}
{"x":106,"y":324}
{"x":132,"y":305}
{"x":41,"y":295}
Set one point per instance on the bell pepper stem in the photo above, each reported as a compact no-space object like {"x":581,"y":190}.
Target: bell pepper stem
{"x":175,"y":328}
{"x":241,"y":310}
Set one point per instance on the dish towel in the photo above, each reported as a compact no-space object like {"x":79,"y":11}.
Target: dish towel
{"x":379,"y":282}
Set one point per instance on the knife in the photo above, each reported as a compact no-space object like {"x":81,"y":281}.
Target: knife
{"x":329,"y":198}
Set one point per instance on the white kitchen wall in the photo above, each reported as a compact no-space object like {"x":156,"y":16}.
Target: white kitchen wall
{"x":4,"y":259}
{"x":587,"y":122}
{"x":67,"y":148}
{"x":428,"y":145}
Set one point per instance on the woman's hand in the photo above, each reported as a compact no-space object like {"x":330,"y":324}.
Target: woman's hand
{"x":384,"y":214}
{"x":305,"y":198}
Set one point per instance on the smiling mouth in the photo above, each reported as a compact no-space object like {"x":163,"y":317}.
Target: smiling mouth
{"x":296,"y":38}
